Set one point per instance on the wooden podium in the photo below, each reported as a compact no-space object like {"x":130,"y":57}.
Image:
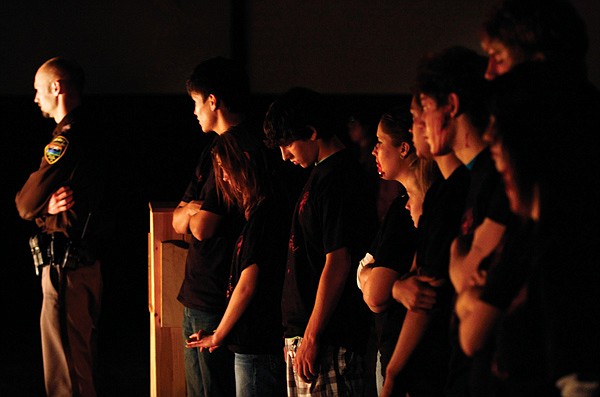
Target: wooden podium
{"x":167,"y":251}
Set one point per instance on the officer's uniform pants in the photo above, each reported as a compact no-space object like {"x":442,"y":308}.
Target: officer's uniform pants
{"x":69,"y":321}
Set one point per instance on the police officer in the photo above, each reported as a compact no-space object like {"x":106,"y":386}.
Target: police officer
{"x":63,"y":198}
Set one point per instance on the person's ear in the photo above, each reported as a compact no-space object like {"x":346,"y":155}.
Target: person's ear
{"x":213,"y":102}
{"x":313,"y":136}
{"x":404,"y":148}
{"x":453,"y":105}
{"x":56,"y":87}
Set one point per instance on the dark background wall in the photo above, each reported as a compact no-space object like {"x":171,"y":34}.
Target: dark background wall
{"x":150,"y":46}
{"x":137,"y":55}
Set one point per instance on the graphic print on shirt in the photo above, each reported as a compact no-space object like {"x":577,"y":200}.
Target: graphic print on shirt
{"x":302,"y":203}
{"x":238,"y":250}
{"x":466,"y":227}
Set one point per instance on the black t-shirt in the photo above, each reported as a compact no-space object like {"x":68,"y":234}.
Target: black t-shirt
{"x":438,"y":226}
{"x":512,"y":264}
{"x":264,"y":242}
{"x":569,"y":259}
{"x":440,"y":222}
{"x":331,"y":213}
{"x":519,"y":357}
{"x":395,"y":244}
{"x":209,"y":261}
{"x":509,"y":268}
{"x":393,"y":248}
{"x":486,"y":198}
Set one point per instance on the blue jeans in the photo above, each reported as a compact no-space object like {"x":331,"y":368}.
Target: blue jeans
{"x":206,"y":374}
{"x":258,"y":375}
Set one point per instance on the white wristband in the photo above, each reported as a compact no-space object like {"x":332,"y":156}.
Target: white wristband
{"x":363,"y":262}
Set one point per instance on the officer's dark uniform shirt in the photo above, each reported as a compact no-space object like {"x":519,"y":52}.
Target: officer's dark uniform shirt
{"x":72,"y":158}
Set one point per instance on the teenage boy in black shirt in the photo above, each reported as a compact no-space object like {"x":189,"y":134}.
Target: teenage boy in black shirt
{"x":325,"y":319}
{"x":220,"y":90}
{"x":453,"y":82}
{"x":423,"y":346}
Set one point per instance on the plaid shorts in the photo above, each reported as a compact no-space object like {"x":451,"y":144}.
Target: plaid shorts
{"x":340,"y":373}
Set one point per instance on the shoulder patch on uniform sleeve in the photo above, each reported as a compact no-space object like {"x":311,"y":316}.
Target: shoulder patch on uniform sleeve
{"x":56,"y":149}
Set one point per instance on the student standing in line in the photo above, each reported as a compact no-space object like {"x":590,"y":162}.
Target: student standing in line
{"x":394,"y":247}
{"x":251,"y":325}
{"x":325,"y":320}
{"x":220,"y":90}
{"x":424,"y":339}
{"x":454,"y":77}
{"x":545,"y":43}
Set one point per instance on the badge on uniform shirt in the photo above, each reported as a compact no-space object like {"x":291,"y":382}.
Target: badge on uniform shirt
{"x":56,"y":149}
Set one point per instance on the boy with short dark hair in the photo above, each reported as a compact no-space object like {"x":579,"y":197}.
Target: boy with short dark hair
{"x":324,"y":316}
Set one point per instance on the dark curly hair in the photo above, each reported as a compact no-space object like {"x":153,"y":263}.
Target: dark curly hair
{"x":294,"y":115}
